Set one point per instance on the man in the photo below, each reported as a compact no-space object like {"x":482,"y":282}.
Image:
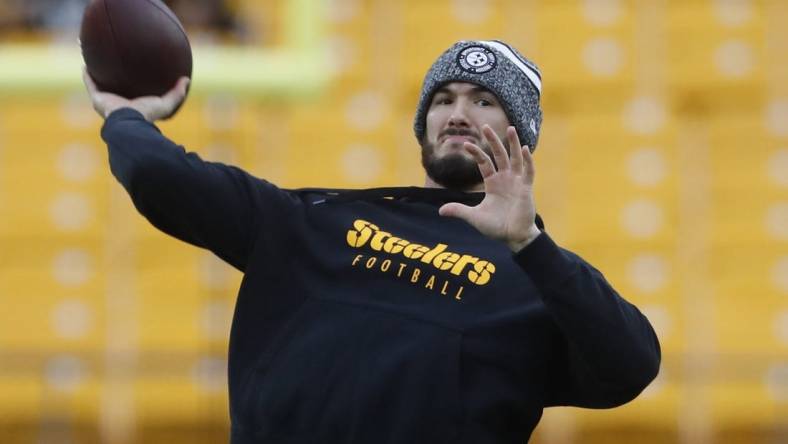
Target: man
{"x":398,"y":315}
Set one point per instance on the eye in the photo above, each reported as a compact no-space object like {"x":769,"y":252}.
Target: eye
{"x":485,"y":102}
{"x":444,"y":100}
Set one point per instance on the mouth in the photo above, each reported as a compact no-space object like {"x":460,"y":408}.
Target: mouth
{"x":456,"y":139}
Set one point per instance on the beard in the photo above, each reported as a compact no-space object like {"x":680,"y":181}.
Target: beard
{"x":455,"y":171}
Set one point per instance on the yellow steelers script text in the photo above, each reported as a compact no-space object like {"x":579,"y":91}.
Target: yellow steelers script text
{"x":439,"y":258}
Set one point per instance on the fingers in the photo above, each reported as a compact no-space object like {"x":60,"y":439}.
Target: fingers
{"x":484,"y":162}
{"x":498,"y":150}
{"x":94,"y":93}
{"x":530,"y":169}
{"x":522,"y":160}
{"x":90,"y":85}
{"x":517,"y":154}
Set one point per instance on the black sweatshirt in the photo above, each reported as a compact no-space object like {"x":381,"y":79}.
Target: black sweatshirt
{"x":366,"y":317}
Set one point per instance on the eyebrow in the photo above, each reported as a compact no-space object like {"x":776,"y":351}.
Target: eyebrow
{"x":481,"y":89}
{"x":475,"y":89}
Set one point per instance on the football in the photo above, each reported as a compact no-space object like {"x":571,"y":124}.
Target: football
{"x":134,"y":48}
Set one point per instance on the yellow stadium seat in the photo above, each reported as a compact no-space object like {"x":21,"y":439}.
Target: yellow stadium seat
{"x":721,"y":62}
{"x":583,"y":51}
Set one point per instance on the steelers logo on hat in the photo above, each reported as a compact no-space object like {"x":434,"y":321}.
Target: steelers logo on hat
{"x":476,"y":59}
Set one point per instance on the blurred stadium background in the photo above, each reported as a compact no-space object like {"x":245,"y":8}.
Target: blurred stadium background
{"x":663,"y":160}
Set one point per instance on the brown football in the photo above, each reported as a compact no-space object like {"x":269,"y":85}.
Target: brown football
{"x":134,"y":48}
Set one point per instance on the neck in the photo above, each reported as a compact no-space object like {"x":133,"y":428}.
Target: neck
{"x":429,"y":183}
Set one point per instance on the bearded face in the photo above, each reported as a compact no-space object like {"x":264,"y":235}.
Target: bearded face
{"x":458,"y":112}
{"x":455,"y":170}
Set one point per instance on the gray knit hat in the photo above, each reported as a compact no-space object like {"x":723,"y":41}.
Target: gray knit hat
{"x":494,"y":65}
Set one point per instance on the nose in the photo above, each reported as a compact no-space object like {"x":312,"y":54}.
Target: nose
{"x":459,"y":116}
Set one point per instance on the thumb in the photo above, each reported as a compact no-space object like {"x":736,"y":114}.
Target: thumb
{"x":455,"y":210}
{"x":164,"y":107}
{"x":174,"y":96}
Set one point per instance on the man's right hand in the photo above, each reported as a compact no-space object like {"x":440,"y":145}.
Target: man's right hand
{"x":153,"y":108}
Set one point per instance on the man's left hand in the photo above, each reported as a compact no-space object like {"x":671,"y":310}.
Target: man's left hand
{"x":508,"y":212}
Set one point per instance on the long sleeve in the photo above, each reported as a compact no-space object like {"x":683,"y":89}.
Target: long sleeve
{"x":611,"y":351}
{"x":210,"y":205}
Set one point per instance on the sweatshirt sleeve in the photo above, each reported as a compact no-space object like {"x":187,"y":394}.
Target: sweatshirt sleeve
{"x":611,"y":352}
{"x":207,"y":204}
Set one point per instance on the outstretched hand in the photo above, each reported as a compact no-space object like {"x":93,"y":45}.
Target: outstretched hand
{"x":153,"y":108}
{"x":507,"y":212}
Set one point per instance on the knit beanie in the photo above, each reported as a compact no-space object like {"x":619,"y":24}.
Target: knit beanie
{"x":496,"y":66}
